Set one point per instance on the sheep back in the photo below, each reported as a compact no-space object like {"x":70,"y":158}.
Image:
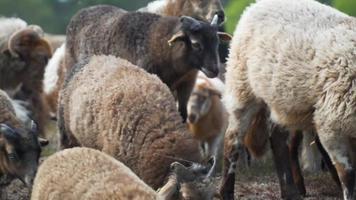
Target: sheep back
{"x":83,"y":173}
{"x":111,"y":105}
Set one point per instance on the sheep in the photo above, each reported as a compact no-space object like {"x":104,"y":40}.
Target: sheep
{"x":70,"y":174}
{"x":169,"y":47}
{"x":207,"y":117}
{"x":56,"y":71}
{"x":23,"y":56}
{"x":53,"y":79}
{"x":296,"y":60}
{"x":203,"y":10}
{"x":20,"y":146}
{"x":126,"y":113}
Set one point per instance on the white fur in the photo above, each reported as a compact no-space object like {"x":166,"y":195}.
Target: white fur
{"x":22,"y":113}
{"x":51,"y":72}
{"x":155,"y":7}
{"x":9,"y":26}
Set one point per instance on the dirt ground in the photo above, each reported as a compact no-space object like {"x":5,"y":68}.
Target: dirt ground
{"x":258,"y":182}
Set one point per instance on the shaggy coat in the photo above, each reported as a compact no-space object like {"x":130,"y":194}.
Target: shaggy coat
{"x":83,"y":173}
{"x":23,"y":57}
{"x":111,"y":105}
{"x":298,"y":59}
{"x":76,"y":170}
{"x":19,"y":145}
{"x":169,"y":47}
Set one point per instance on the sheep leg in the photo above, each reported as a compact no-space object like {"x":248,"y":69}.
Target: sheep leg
{"x":239,"y":122}
{"x":296,"y":139}
{"x":183,"y":93}
{"x":327,"y":161}
{"x":280,"y":151}
{"x":338,"y":148}
{"x":66,"y":139}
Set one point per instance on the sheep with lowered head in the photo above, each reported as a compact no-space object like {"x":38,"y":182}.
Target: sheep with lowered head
{"x":20,"y":146}
{"x":84,"y":173}
{"x":109,"y":104}
{"x":298,"y":60}
{"x":170,"y":47}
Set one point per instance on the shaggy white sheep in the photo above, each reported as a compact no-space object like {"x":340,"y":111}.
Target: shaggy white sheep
{"x":298,"y":59}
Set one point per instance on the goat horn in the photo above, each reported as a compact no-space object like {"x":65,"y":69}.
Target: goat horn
{"x":214,"y":21}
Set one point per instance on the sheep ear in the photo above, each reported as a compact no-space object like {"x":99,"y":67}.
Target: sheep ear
{"x":177,"y":36}
{"x":224,"y":36}
{"x":26,"y":43}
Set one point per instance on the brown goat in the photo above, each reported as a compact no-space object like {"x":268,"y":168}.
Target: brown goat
{"x":207,"y":117}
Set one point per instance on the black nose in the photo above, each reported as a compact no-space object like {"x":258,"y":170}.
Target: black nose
{"x":221,"y":16}
{"x":192,"y":118}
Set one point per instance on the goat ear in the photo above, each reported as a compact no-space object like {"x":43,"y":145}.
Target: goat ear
{"x":27,"y":43}
{"x":177,"y":36}
{"x":224,"y":36}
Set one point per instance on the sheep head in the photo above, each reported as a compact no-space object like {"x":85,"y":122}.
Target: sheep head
{"x":201,"y":41}
{"x":205,"y":10}
{"x":190,"y":182}
{"x":20,"y":150}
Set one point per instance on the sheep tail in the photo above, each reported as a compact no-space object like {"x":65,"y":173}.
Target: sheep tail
{"x":257,"y":137}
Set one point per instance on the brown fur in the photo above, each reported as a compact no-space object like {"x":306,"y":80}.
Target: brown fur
{"x":256,"y":138}
{"x":28,"y":50}
{"x":111,"y":105}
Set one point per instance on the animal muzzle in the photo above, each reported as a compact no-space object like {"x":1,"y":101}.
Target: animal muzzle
{"x":193,"y":118}
{"x":210,"y":72}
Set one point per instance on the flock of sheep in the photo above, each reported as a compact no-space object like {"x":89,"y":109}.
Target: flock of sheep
{"x":141,"y":114}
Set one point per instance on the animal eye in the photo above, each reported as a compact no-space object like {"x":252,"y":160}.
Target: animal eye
{"x":12,"y":156}
{"x":196,"y":46}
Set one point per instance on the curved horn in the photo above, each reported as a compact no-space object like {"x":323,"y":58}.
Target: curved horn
{"x":212,"y":161}
{"x":214,"y":21}
{"x":8,"y":132}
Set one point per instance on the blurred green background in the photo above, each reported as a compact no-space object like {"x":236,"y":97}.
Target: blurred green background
{"x":53,"y":15}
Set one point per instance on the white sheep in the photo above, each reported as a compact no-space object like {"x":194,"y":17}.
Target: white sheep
{"x":296,"y":59}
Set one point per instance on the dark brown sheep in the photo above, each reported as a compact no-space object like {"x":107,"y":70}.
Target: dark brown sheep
{"x":169,"y":47}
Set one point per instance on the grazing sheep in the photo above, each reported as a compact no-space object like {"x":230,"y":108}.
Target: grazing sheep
{"x":20,"y":147}
{"x":23,"y":55}
{"x":111,"y":105}
{"x":169,"y":47}
{"x":207,"y":117}
{"x":200,"y":9}
{"x":53,"y":79}
{"x":70,"y":175}
{"x":295,"y":59}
